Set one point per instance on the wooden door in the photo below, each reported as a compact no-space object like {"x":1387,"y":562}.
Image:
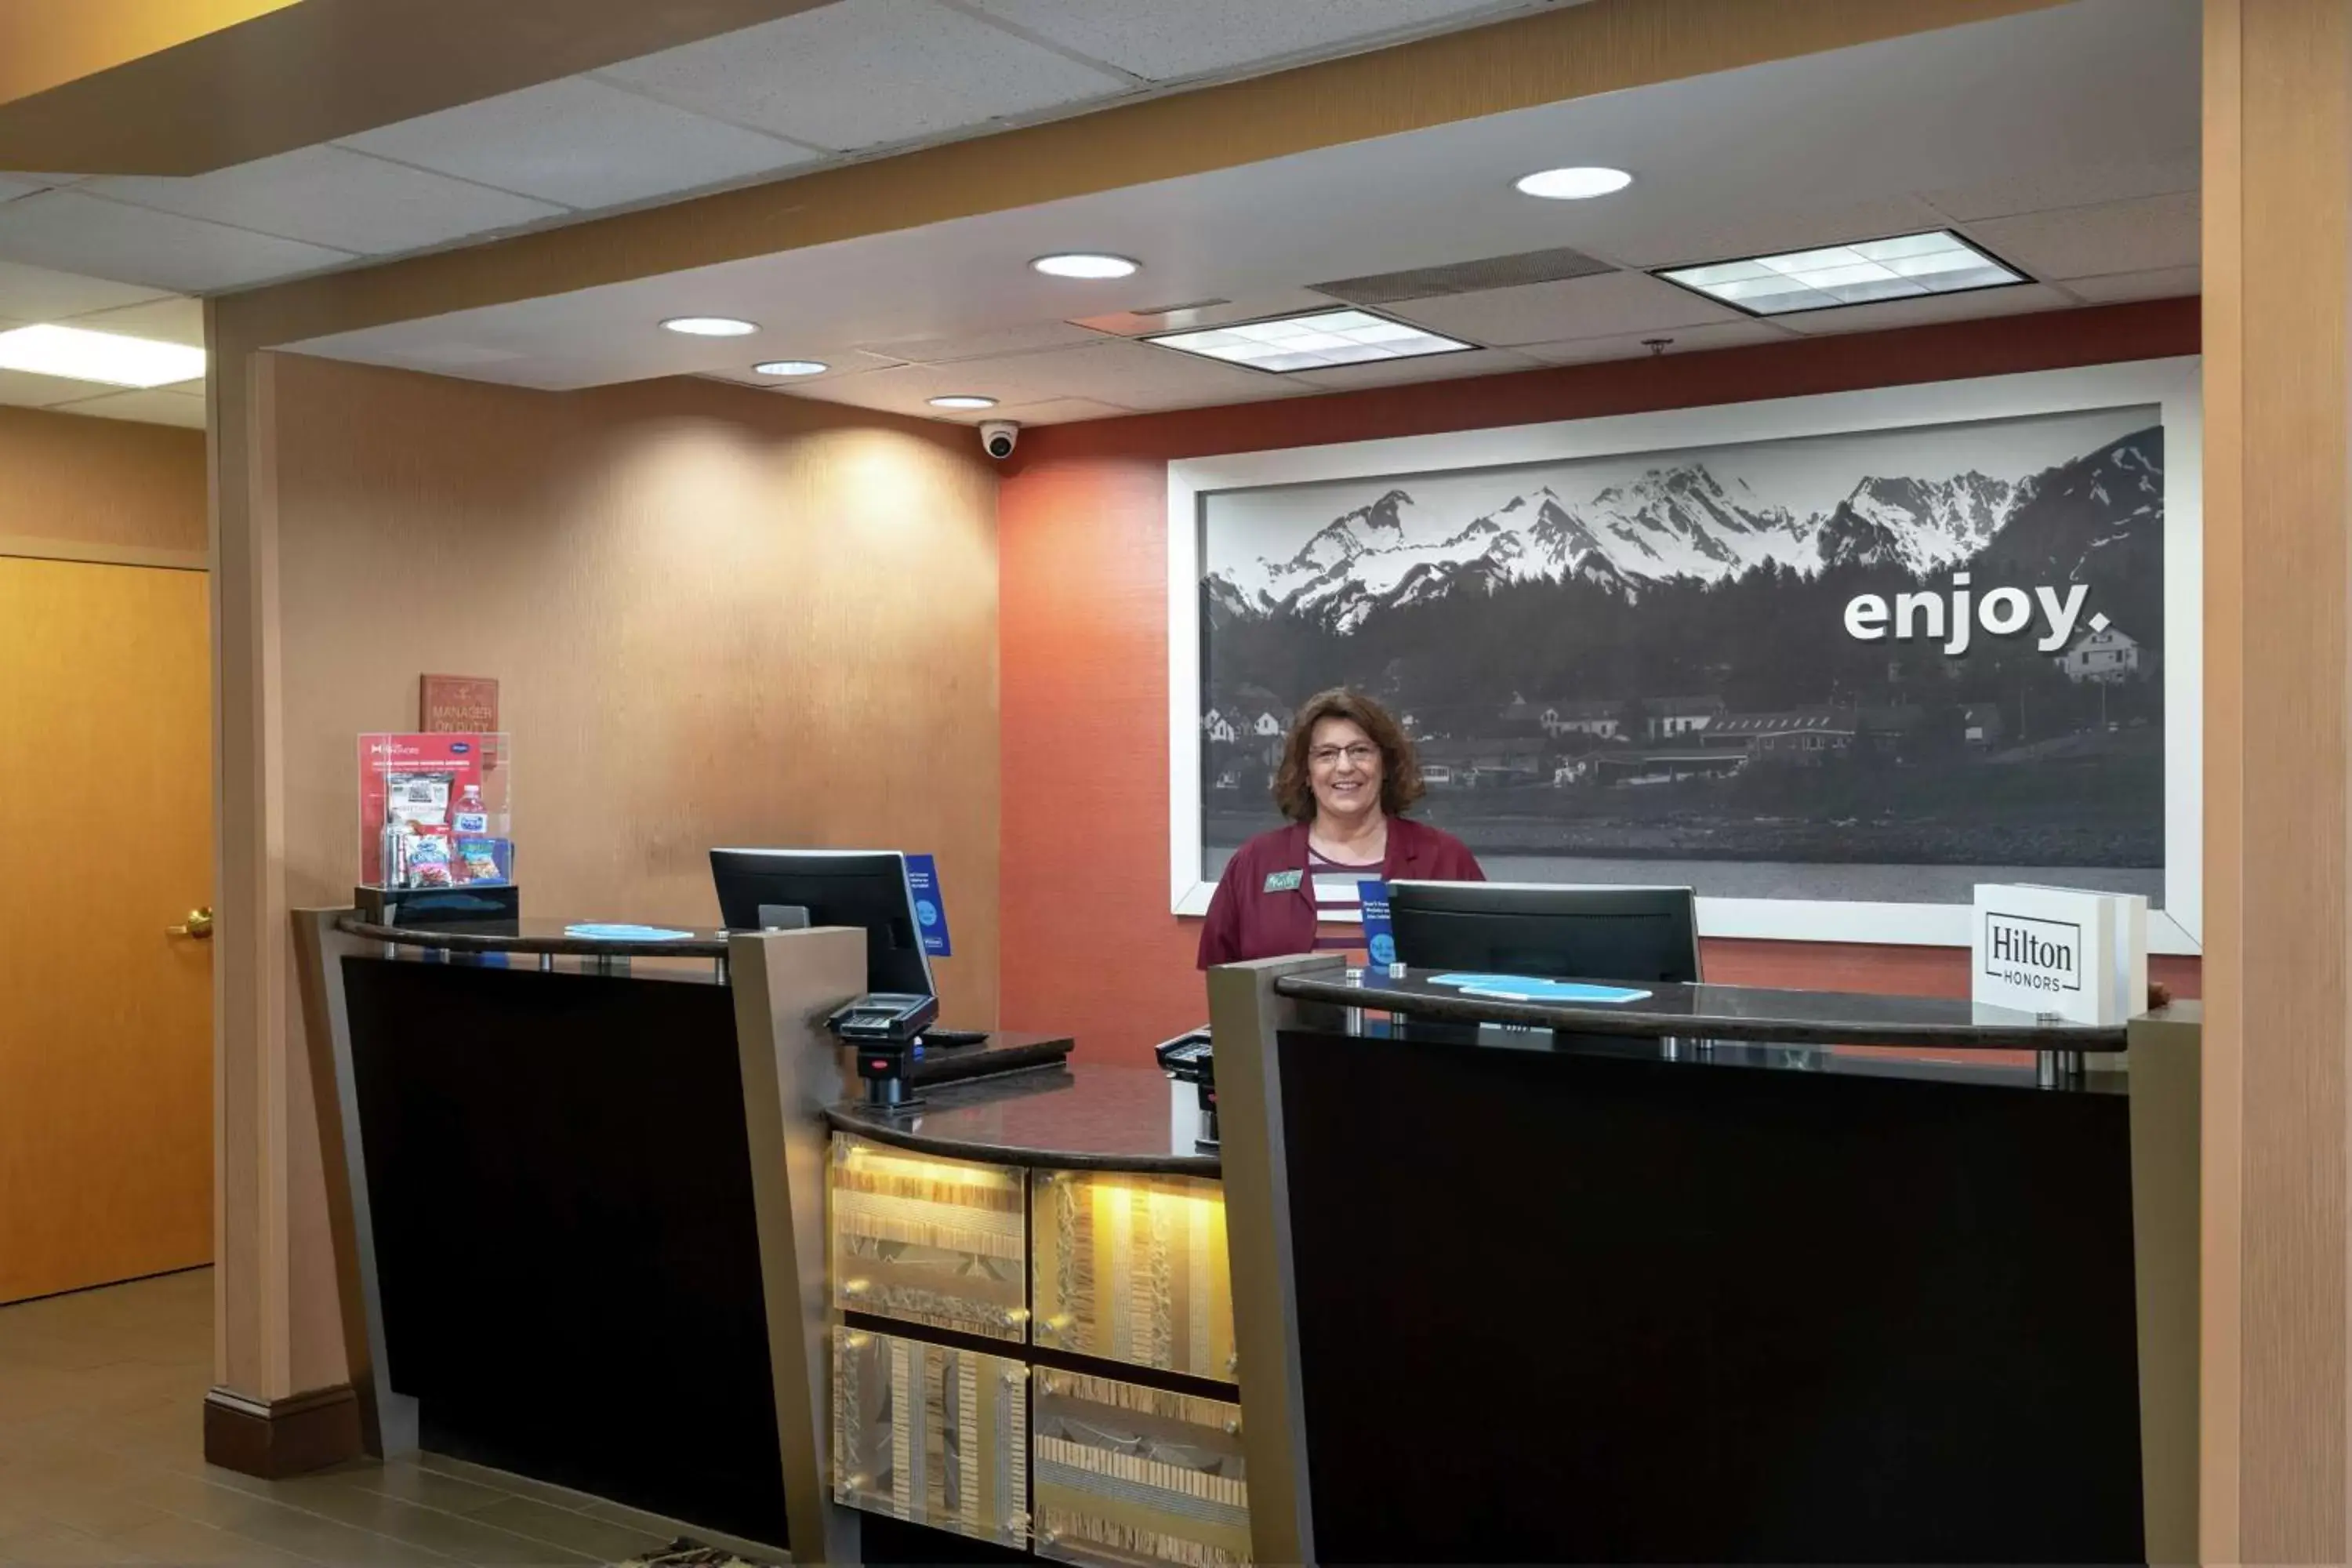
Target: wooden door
{"x":106,"y":1117}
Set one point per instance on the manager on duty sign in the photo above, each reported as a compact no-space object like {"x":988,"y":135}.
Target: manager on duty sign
{"x":2076,"y":955}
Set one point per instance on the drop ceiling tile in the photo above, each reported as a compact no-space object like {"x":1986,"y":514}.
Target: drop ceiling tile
{"x":26,"y":390}
{"x":1124,"y":375}
{"x":74,"y":232}
{"x":1773,"y":229}
{"x":947,"y":349}
{"x":1061,"y":411}
{"x":2164,"y":283}
{"x":865,"y":73}
{"x":2061,"y":183}
{"x":329,"y":195}
{"x":1407,"y":371}
{"x":155,"y":407}
{"x":1256,"y":306}
{"x":11,"y":187}
{"x":1608,"y":304}
{"x":1686,"y":340}
{"x":175,"y":318}
{"x":839,"y":363}
{"x":2092,"y":242}
{"x":1935,"y":308}
{"x":582,"y":143}
{"x":39,"y":294}
{"x":1164,"y":40}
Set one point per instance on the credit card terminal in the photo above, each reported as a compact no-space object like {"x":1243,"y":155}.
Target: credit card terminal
{"x":881,"y":1027}
{"x":1191,"y":1058}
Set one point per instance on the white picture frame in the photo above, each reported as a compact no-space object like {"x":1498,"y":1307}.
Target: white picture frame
{"x":2170,"y":385}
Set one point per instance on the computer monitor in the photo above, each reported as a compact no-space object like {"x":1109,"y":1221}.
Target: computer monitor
{"x":770,"y":889}
{"x":1631,"y":934}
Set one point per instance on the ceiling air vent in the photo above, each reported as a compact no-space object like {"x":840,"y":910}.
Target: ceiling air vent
{"x":1464,"y":277}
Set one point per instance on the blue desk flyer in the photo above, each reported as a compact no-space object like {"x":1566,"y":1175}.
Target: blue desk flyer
{"x":1380,"y":939}
{"x":930,"y":910}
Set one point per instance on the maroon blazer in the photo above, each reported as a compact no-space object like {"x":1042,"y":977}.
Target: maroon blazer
{"x":1246,"y":922}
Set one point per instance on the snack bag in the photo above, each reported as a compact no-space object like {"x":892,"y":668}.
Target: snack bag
{"x":429,"y":861}
{"x":419,"y":796}
{"x":481,"y":860}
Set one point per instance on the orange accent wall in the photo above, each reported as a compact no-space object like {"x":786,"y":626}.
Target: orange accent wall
{"x":1088,"y":944}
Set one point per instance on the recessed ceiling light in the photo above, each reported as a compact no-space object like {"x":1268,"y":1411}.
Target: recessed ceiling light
{"x":792,"y":367}
{"x":1316,"y":341}
{"x":1905,"y":267}
{"x":711,"y":326}
{"x":964,"y":400}
{"x":1086,"y":264}
{"x":77,"y":354}
{"x":1572,"y":185}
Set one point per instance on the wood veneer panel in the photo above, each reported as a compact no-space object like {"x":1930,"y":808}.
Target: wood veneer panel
{"x":717,"y":617}
{"x":69,"y":484}
{"x":2278,"y":194}
{"x":105,"y":1104}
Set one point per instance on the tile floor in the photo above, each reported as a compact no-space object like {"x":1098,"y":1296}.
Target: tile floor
{"x":101,"y":1461}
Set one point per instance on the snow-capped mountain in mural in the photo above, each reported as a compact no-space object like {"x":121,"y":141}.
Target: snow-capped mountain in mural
{"x":1681,"y":520}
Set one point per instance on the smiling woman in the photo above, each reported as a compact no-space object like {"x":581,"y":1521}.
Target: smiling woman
{"x":1347,"y":777}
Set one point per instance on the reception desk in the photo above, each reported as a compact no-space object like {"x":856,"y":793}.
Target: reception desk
{"x":1712,"y":1278}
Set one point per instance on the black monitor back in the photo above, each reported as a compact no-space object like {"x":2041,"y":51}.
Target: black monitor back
{"x":766,"y":889}
{"x":1632,"y":934}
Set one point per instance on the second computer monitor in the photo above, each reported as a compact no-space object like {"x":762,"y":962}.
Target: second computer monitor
{"x":1631,"y":934}
{"x":789,"y":889}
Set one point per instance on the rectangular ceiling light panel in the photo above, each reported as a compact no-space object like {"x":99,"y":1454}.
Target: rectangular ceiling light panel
{"x":109,"y":357}
{"x":1316,"y":341}
{"x":1905,"y":268}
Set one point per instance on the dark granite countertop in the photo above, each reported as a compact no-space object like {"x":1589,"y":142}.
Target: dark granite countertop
{"x":1727,"y":1013}
{"x":1078,"y":1118}
{"x":534,"y":935}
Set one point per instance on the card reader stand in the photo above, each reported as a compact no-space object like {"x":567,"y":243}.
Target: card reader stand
{"x":882,"y":1028}
{"x":1189,"y":1059}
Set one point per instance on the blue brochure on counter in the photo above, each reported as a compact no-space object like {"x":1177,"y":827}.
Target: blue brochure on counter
{"x":591,"y":932}
{"x":1526,"y":988}
{"x":930,"y":910}
{"x":1380,"y":937}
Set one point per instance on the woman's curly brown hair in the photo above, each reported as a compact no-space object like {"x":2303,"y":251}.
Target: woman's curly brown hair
{"x":1401,"y":784}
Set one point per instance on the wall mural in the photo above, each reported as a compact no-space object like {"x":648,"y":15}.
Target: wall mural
{"x":1878,"y":666}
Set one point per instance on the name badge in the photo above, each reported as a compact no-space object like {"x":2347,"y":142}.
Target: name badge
{"x":1283,"y":881}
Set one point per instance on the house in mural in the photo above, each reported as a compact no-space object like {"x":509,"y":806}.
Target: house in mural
{"x":1483,"y":765}
{"x":1664,"y":718}
{"x":2108,"y":654}
{"x":1803,"y":734}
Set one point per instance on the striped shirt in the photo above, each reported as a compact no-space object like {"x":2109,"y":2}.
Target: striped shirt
{"x":1336,"y":891}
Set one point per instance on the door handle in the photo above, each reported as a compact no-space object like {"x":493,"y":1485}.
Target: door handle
{"x":199,"y":925}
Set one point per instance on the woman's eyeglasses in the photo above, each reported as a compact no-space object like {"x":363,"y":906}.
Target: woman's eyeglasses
{"x":1362,"y":756}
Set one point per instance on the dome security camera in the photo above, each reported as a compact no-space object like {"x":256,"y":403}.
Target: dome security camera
{"x":997,"y":436}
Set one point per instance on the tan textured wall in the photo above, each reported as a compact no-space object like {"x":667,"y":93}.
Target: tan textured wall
{"x":72,"y":485}
{"x":2276,"y":1410}
{"x":717,"y":617}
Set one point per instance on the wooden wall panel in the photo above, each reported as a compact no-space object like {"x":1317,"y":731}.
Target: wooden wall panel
{"x":1086,"y":661}
{"x":105,"y":1049}
{"x":2278,"y":248}
{"x":717,"y":617}
{"x":71,"y":485}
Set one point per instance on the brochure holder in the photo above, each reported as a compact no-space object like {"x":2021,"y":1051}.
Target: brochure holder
{"x":436,"y":829}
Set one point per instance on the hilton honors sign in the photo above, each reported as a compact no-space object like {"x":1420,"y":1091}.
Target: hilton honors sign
{"x":2080,"y":956}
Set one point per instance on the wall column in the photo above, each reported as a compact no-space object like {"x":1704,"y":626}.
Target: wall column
{"x":2278,"y":778}
{"x":278,"y":1405}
